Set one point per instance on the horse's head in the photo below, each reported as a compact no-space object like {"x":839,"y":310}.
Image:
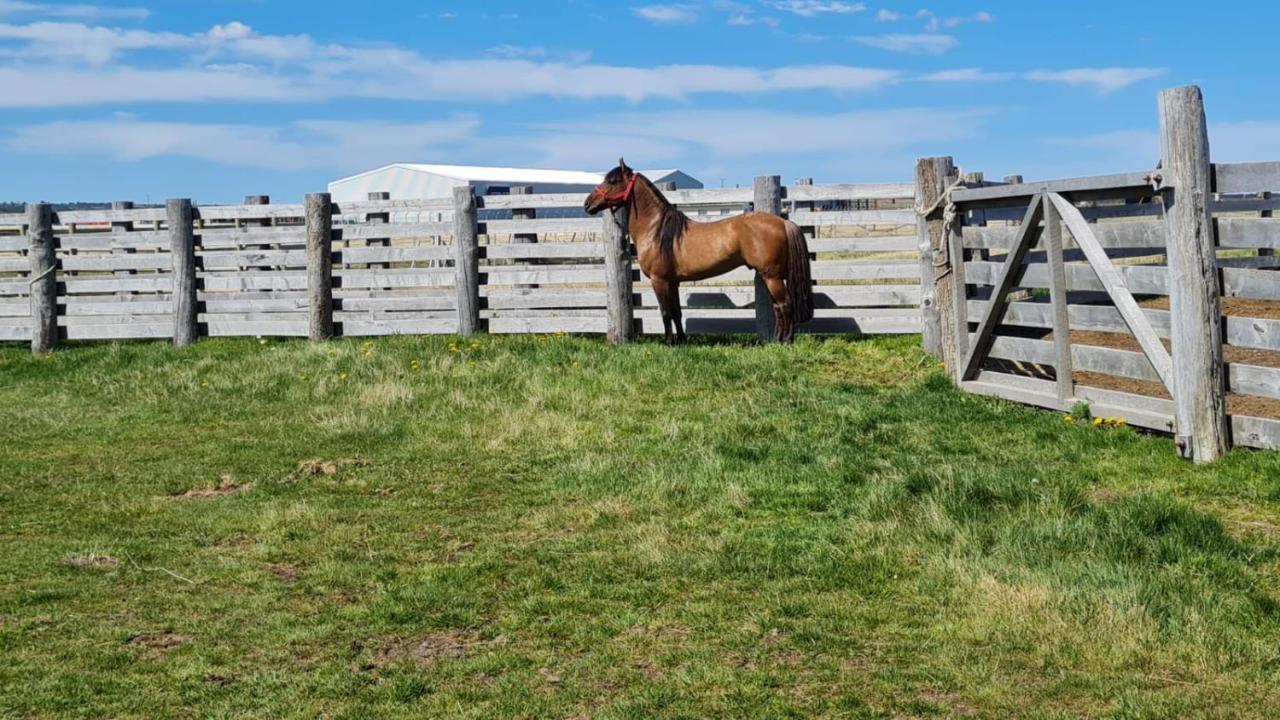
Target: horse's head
{"x":614,"y":192}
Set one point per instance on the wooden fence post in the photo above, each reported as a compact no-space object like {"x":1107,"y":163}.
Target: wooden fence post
{"x":1195,"y":306}
{"x":44,"y":278}
{"x":122,"y":226}
{"x":182,"y":250}
{"x":524,"y":214}
{"x":933,"y":176}
{"x":378,"y":219}
{"x":768,"y":199}
{"x":319,"y":266}
{"x":466,"y":241}
{"x":621,"y":327}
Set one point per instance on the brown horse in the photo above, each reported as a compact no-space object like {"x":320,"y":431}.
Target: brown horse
{"x":673,"y":249}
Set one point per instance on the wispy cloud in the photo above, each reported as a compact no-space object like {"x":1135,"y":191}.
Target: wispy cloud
{"x":923,"y":44}
{"x":667,"y":14}
{"x":308,"y":144}
{"x":961,"y":75}
{"x":747,"y":20}
{"x":1104,"y":80}
{"x":73,"y":12}
{"x":936,"y":22}
{"x":812,"y":8}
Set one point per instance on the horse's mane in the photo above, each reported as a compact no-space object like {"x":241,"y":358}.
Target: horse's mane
{"x":671,"y":222}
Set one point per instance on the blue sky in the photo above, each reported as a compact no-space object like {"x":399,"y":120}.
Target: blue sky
{"x":223,"y":98}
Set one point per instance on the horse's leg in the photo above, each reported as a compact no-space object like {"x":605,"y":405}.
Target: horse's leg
{"x":677,"y":315}
{"x":661,"y":289}
{"x":783,"y":328}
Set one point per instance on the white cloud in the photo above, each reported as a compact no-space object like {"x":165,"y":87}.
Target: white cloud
{"x":936,"y":22}
{"x":888,"y":16}
{"x":667,"y":14}
{"x":310,"y":144}
{"x":1104,"y":80}
{"x":812,"y":8}
{"x":966,"y":75}
{"x":400,"y":75}
{"x":73,"y":12}
{"x":746,"y":20}
{"x":925,"y":44}
{"x":80,"y":42}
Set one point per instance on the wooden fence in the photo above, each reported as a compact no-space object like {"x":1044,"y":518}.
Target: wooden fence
{"x":518,"y":263}
{"x":1123,"y":291}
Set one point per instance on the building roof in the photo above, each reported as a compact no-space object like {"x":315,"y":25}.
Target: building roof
{"x":515,"y":176}
{"x":471,"y":173}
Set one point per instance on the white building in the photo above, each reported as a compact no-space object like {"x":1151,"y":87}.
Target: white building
{"x":414,"y":181}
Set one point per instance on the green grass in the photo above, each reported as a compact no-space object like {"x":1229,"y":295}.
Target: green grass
{"x":548,"y":527}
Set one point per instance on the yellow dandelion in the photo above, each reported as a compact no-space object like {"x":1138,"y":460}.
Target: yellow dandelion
{"x":1121,"y":422}
{"x":1097,"y":421}
{"x":1068,"y":418}
{"x":204,"y":384}
{"x":342,"y":377}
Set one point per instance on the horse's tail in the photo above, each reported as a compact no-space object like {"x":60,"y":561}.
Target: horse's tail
{"x":799,"y":280}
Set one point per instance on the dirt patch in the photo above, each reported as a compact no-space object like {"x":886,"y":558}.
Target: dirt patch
{"x":226,"y":486}
{"x":323,"y":468}
{"x":90,"y":560}
{"x":285,"y":572}
{"x":157,"y":644}
{"x":773,"y":637}
{"x":428,"y":650}
{"x":459,"y":551}
{"x":1237,"y":403}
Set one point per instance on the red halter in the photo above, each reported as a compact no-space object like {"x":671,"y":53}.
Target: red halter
{"x":617,"y":199}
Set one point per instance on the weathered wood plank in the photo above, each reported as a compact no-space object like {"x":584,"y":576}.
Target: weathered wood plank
{"x":1068,"y":185}
{"x":543,"y":251}
{"x":1194,"y":300}
{"x":872,"y":191}
{"x":43,"y":285}
{"x":466,"y":260}
{"x":392,"y":230}
{"x":620,"y":322}
{"x":1250,"y":177}
{"x":1058,"y":298}
{"x":1129,"y":234}
{"x":932,"y":178}
{"x":319,"y":267}
{"x":365,"y":207}
{"x":853,"y":217}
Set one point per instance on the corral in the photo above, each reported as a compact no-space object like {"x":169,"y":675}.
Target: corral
{"x":461,"y":503}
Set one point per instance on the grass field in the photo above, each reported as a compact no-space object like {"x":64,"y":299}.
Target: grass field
{"x":550,"y":528}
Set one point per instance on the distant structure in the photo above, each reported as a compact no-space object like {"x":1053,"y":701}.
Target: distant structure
{"x":415,"y":181}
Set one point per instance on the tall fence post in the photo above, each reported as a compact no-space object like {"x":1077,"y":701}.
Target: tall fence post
{"x":768,"y":199}
{"x":44,"y":278}
{"x":182,"y":250}
{"x":621,"y":327}
{"x":319,"y":210}
{"x":933,"y":176}
{"x":1195,"y":306}
{"x":466,"y":241}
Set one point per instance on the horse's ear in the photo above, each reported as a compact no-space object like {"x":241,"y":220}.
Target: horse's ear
{"x":622,"y":165}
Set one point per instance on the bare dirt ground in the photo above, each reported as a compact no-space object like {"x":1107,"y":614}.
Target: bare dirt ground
{"x":1236,"y":403}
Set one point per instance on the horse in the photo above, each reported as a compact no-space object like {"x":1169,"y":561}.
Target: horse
{"x":672,"y":248}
